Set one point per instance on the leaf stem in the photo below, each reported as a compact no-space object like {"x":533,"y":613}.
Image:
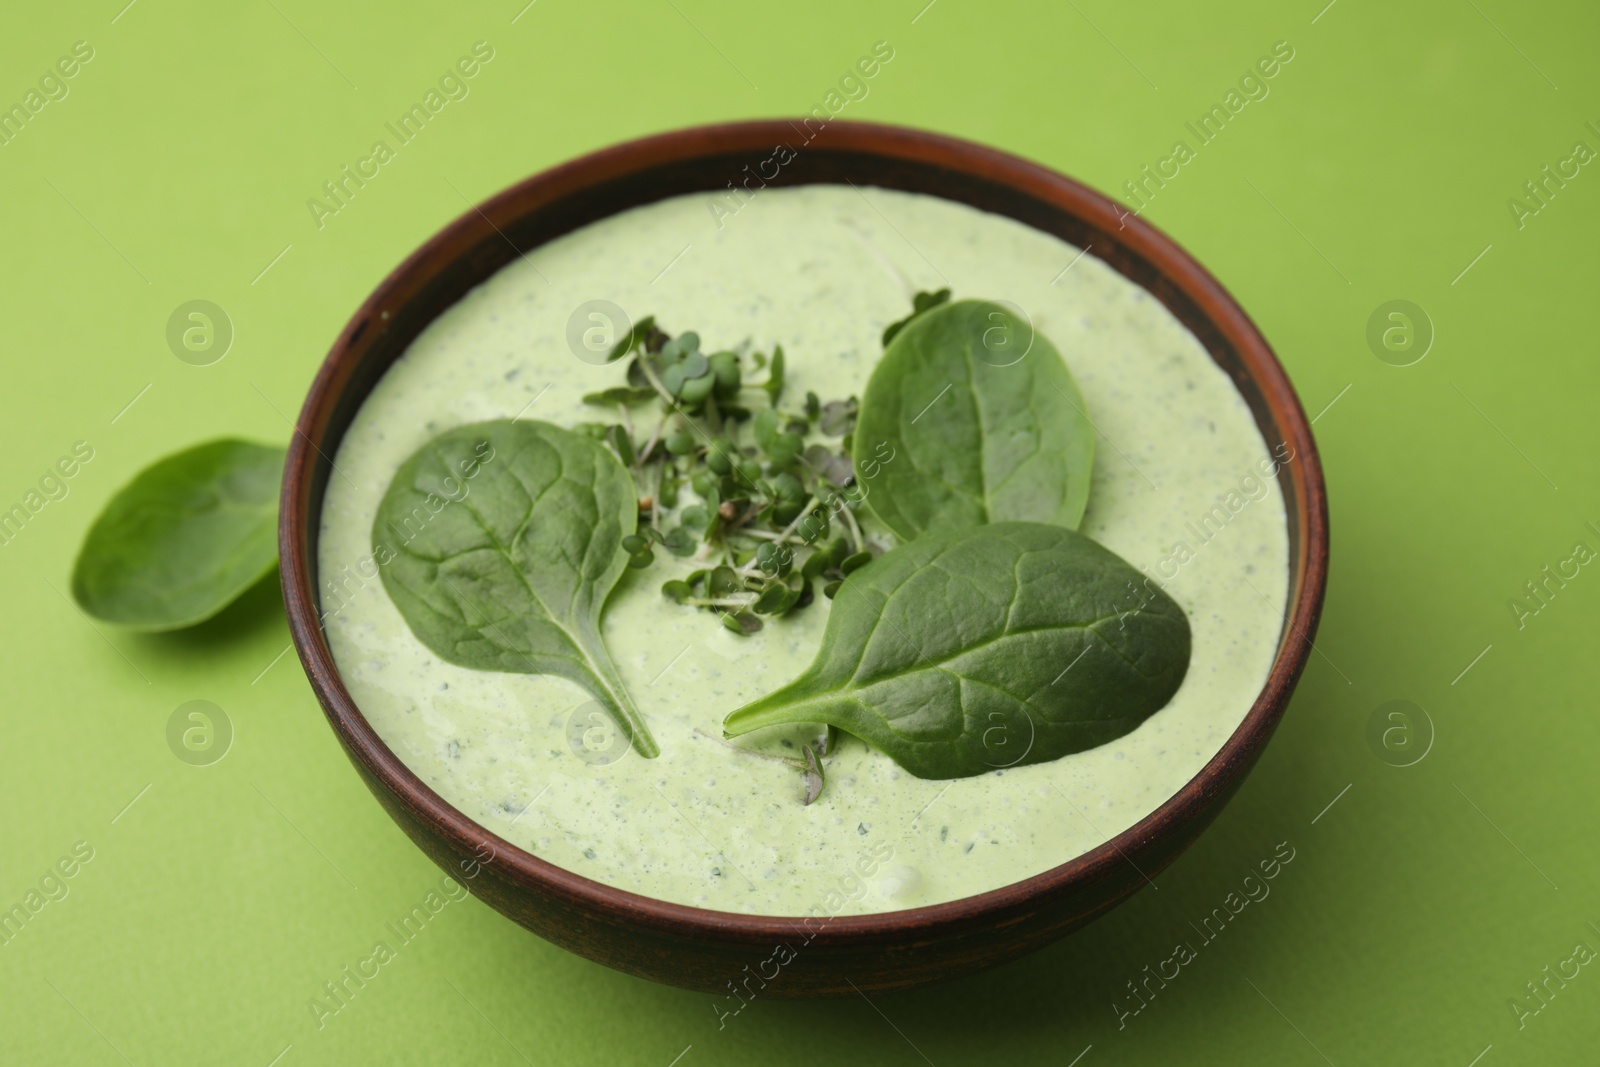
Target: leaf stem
{"x":774,"y":709}
{"x":623,"y":708}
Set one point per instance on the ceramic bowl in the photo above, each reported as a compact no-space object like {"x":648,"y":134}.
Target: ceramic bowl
{"x":708,"y":950}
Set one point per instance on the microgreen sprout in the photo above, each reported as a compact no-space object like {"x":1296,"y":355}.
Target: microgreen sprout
{"x":753,"y":493}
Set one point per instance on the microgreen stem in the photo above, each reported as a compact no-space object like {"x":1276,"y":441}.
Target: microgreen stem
{"x":720,"y":602}
{"x":655,"y":383}
{"x":655,"y":501}
{"x":627,"y":424}
{"x":655,"y":437}
{"x":789,"y":530}
{"x":850,"y":523}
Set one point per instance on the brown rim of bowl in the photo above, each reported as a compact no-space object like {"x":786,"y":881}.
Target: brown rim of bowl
{"x":1138,"y":244}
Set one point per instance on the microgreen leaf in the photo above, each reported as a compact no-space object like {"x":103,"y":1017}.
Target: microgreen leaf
{"x":620,"y":394}
{"x":814,"y":777}
{"x":723,"y":581}
{"x":635,"y":336}
{"x":774,"y":600}
{"x":725,"y":367}
{"x":838,"y":469}
{"x":765,"y":427}
{"x":851,"y":564}
{"x":839,"y":417}
{"x":679,"y":541}
{"x":920,"y":303}
{"x":621,"y":444}
{"x":774,"y":382}
{"x":743,"y":623}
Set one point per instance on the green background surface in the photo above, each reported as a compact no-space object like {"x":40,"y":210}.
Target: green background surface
{"x":220,"y":898}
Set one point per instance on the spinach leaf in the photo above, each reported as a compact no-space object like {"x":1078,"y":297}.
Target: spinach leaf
{"x":986,"y":434}
{"x":182,"y":540}
{"x":500,"y":542}
{"x":973,"y":649}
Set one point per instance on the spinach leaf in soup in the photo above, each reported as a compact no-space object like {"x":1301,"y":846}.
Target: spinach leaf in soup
{"x":500,"y":541}
{"x":973,"y":649}
{"x":184,"y":539}
{"x":987,"y":422}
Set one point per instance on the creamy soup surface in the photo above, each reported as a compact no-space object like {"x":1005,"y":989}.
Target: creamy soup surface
{"x":1181,"y":489}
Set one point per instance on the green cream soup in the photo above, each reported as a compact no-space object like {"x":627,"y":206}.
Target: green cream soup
{"x":1182,"y":489}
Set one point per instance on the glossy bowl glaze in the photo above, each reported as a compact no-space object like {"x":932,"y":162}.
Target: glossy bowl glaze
{"x":710,"y":950}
